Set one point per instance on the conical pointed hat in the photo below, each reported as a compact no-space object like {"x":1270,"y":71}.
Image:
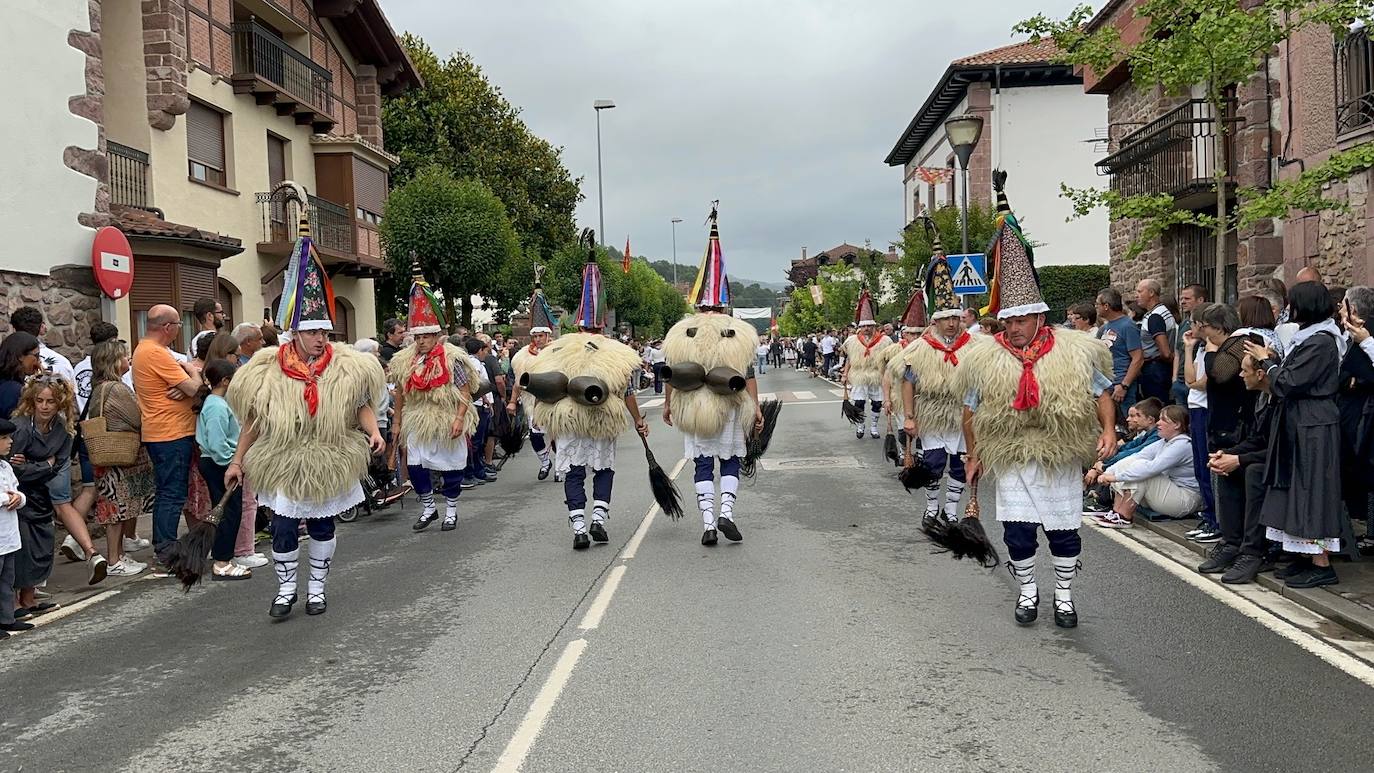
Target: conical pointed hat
{"x":863,"y":312}
{"x":712,"y":286}
{"x":1015,"y":289}
{"x":939,"y":281}
{"x":591,"y":310}
{"x":914,"y":318}
{"x":423,"y":316}
{"x":307,"y":298}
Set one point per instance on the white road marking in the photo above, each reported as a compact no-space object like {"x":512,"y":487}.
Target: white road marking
{"x":804,"y":395}
{"x":1269,"y":609}
{"x":520,"y":744}
{"x":766,"y":396}
{"x":69,"y":609}
{"x":597,"y":609}
{"x":837,"y":392}
{"x":632,"y":546}
{"x":652,"y":403}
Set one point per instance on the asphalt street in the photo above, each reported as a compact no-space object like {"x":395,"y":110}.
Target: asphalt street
{"x":830,"y":639}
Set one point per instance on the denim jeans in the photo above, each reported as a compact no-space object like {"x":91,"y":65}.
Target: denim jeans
{"x":762,"y":360}
{"x":1197,"y":429}
{"x":172,"y":471}
{"x":227,"y":532}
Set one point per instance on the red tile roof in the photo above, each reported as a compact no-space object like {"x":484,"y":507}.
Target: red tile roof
{"x":1025,"y":52}
{"x":134,"y":221}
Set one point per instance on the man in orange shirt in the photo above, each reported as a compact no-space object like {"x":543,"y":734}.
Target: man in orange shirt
{"x":165,"y":388}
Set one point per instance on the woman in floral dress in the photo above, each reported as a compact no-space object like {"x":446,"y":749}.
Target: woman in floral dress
{"x":122,"y":493}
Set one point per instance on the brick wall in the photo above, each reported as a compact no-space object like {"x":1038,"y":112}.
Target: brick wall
{"x":164,"y":59}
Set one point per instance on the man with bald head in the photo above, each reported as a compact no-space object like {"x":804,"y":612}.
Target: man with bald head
{"x":1309,"y":274}
{"x":164,"y":388}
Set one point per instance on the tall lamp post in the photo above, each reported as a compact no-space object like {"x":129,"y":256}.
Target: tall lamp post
{"x":598,"y":106}
{"x":963,"y":132}
{"x":676,"y":220}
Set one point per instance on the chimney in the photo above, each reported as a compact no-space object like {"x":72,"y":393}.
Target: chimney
{"x":803,"y":253}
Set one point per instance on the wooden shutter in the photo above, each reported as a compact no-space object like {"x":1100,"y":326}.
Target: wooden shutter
{"x":205,"y":136}
{"x":369,"y":186}
{"x":276,"y":160}
{"x":194,"y":282}
{"x":153,"y":284}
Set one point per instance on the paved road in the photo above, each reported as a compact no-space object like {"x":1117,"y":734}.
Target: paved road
{"x":830,"y":639}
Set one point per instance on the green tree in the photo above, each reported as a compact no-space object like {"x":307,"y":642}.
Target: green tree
{"x":640,"y":298}
{"x":457,"y":229}
{"x":916,"y":247}
{"x":839,"y":296}
{"x":461,"y":121}
{"x":1212,"y":44}
{"x":1063,"y":286}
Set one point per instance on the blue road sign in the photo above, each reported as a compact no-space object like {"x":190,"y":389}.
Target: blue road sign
{"x":969,"y":272}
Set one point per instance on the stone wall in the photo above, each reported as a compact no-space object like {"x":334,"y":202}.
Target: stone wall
{"x":369,"y":105}
{"x":1130,"y":107}
{"x":1342,"y":235}
{"x":91,"y":162}
{"x":164,"y":59}
{"x":69,"y":300}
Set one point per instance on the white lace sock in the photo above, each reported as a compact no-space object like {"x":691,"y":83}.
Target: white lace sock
{"x":321,"y":556}
{"x":933,"y":499}
{"x":729,"y":487}
{"x":451,"y":508}
{"x":577,"y":520}
{"x":1028,"y":595}
{"x":427,"y":504}
{"x":1064,"y":571}
{"x":600,"y":511}
{"x":954,"y":490}
{"x":706,"y":503}
{"x":286,"y":565}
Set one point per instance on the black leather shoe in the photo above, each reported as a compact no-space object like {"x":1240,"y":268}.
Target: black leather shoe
{"x":1027,"y":615}
{"x":1065,"y":619}
{"x":15,"y":627}
{"x":581,"y":541}
{"x":729,"y":529}
{"x":544,"y":471}
{"x":598,"y":532}
{"x":708,"y":537}
{"x":315,"y":607}
{"x":1219,"y":559}
{"x":279,"y":609}
{"x":425,"y":520}
{"x":1243,"y":571}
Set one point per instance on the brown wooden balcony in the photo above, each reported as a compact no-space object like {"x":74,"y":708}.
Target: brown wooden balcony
{"x":278,"y":75}
{"x":1174,"y":154}
{"x":335,"y":233}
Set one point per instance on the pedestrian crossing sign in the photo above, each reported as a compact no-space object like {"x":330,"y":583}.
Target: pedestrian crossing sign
{"x":969,"y":271}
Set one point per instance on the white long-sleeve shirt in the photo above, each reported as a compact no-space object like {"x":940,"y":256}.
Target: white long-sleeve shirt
{"x":1173,"y":458}
{"x":9,"y":519}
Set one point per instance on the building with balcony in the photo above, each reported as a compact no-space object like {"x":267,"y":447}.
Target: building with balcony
{"x":1038,"y":124}
{"x":1310,"y":97}
{"x":190,"y":116}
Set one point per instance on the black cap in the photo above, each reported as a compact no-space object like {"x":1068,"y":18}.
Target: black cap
{"x":6,"y":427}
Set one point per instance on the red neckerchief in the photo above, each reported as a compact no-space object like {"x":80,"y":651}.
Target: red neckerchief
{"x":868,"y":347}
{"x":297,"y":368}
{"x":948,"y":351}
{"x":1028,"y":391}
{"x":433,"y":371}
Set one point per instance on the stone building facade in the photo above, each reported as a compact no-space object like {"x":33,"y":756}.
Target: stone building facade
{"x":1285,"y":118}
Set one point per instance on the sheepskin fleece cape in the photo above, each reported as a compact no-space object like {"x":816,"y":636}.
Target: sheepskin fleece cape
{"x":427,"y":416}
{"x":866,"y":367}
{"x":519,"y":364}
{"x":586,"y":354}
{"x":939,"y":397}
{"x":1062,"y":430}
{"x":895,"y":373}
{"x":305,"y":458}
{"x":701,"y":412}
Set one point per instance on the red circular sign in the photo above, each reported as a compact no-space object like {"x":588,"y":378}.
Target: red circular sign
{"x":112,"y":259}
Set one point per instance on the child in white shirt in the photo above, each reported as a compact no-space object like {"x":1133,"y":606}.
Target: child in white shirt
{"x":10,"y":503}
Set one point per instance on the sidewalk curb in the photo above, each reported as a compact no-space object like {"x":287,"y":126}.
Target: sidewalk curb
{"x":1328,"y":604}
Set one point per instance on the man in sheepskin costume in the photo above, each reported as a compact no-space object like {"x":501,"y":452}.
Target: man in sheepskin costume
{"x":712,"y":396}
{"x":867,"y":352}
{"x":582,"y":390}
{"x":308,"y":411}
{"x":435,"y":382}
{"x":931,"y":395}
{"x":542,"y":328}
{"x":895,"y":401}
{"x":1037,"y":410}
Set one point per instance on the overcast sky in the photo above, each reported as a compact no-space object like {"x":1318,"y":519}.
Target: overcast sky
{"x":782,"y":110}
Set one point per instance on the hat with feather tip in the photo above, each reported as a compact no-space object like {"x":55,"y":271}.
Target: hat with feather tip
{"x":591,"y":310}
{"x":711,"y":290}
{"x":1015,"y":287}
{"x":307,"y":299}
{"x":423,"y":316}
{"x":863,"y":311}
{"x":941,"y":299}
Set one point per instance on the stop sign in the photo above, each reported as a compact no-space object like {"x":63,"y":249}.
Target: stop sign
{"x":112,"y":259}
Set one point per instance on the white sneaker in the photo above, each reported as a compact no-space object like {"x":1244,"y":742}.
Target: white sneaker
{"x":251,"y":562}
{"x":72,"y":551}
{"x":130,"y":545}
{"x":125,"y":567}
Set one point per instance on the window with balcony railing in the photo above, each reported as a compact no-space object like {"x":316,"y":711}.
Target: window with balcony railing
{"x":1354,"y":82}
{"x":260,"y":52}
{"x":128,"y":175}
{"x":1176,"y":153}
{"x":1195,"y":260}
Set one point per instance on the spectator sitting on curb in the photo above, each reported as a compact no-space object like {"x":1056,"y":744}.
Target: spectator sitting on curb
{"x":1159,"y":477}
{"x":1141,"y":420}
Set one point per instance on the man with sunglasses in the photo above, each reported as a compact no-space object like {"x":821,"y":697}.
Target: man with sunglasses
{"x":164,"y":387}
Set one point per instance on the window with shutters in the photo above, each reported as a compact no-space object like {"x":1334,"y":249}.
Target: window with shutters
{"x":205,"y":145}
{"x":369,"y":191}
{"x":177,"y":283}
{"x":276,"y":160}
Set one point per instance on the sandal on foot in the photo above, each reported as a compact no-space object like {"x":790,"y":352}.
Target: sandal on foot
{"x":231,"y":572}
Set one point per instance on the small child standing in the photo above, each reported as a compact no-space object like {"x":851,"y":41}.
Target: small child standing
{"x":217,"y":434}
{"x":10,"y":502}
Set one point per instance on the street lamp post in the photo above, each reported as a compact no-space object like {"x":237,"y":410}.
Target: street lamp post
{"x":963,"y":132}
{"x":676,"y":220}
{"x":598,"y":106}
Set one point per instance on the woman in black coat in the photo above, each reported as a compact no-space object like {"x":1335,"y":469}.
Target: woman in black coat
{"x":1302,"y":502}
{"x":1356,"y":404}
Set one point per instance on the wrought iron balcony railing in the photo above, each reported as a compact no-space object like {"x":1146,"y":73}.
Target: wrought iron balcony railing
{"x":1354,"y":82}
{"x":259,"y":54}
{"x":1175,"y":154}
{"x":330,"y":225}
{"x":128,"y":175}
